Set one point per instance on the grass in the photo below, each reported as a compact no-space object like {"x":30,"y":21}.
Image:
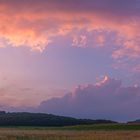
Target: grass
{"x":91,"y":132}
{"x":98,"y":127}
{"x":106,"y":127}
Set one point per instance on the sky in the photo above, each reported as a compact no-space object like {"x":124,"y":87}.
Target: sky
{"x":78,"y":58}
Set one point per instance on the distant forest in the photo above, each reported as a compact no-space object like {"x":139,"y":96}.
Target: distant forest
{"x":41,"y":119}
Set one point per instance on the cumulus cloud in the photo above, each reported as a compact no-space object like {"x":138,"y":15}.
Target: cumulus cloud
{"x":106,"y":99}
{"x":36,"y":23}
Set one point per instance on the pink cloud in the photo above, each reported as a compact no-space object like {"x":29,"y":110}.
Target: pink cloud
{"x":136,"y":69}
{"x":35,"y":24}
{"x":106,"y":99}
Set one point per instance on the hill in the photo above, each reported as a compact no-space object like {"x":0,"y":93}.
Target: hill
{"x":41,"y":119}
{"x":136,"y":121}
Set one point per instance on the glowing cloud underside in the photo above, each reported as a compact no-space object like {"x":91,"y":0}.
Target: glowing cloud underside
{"x":35,"y":24}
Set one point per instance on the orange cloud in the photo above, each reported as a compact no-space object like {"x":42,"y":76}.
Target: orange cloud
{"x":34,"y":25}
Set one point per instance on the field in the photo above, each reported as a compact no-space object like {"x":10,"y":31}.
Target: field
{"x":92,"y":132}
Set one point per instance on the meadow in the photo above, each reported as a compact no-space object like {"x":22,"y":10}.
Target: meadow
{"x":91,"y":132}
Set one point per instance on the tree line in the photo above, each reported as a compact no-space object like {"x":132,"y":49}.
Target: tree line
{"x":42,"y":119}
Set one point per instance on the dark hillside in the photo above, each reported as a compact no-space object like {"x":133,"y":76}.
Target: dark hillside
{"x":40,"y":119}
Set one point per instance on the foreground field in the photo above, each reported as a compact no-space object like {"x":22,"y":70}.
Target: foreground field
{"x":70,"y":133}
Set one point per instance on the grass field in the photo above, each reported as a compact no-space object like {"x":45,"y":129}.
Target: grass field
{"x":92,"y":132}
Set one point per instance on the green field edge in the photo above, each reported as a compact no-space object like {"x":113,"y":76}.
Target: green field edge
{"x":97,"y":127}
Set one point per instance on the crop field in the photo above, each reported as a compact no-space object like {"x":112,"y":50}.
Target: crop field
{"x":93,"y":132}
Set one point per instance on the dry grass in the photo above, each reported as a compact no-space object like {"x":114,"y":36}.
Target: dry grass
{"x":19,"y":134}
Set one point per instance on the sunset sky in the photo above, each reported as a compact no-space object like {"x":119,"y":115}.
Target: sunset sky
{"x":78,"y":58}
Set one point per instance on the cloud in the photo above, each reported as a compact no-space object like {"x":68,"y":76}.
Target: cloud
{"x":136,"y":69}
{"x":106,"y":99}
{"x":35,"y":24}
{"x":16,"y":96}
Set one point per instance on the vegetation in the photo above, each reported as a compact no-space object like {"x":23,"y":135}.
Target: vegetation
{"x":40,"y":119}
{"x":32,"y":133}
{"x":134,"y":122}
{"x":28,"y":126}
{"x":103,"y":127}
{"x":94,"y":127}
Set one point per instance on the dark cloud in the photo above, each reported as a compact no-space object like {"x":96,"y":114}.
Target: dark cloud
{"x":116,"y":6}
{"x":107,"y":99}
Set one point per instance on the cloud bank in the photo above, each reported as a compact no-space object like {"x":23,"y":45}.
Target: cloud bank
{"x":107,"y":99}
{"x":35,"y":24}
